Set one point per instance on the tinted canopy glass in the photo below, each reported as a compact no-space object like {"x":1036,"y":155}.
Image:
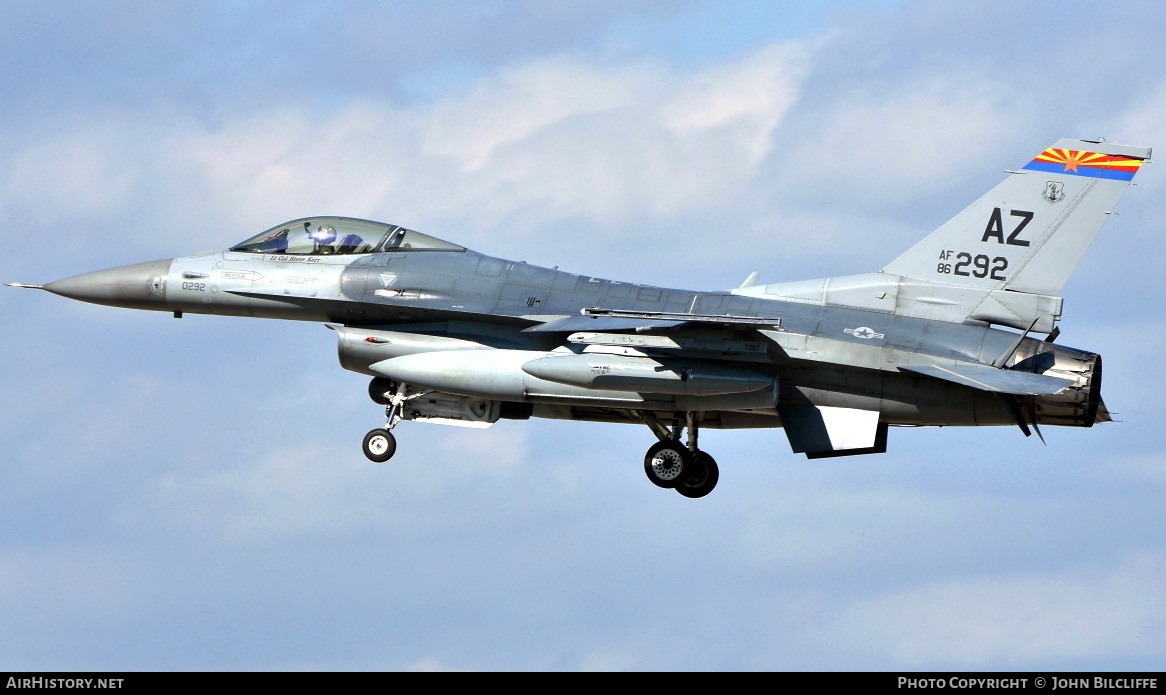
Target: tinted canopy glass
{"x":340,"y":235}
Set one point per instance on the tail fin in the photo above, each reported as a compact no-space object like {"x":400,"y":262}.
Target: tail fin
{"x":1029,"y":233}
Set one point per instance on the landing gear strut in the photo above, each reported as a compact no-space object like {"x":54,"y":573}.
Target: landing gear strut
{"x":379,"y":445}
{"x":670,"y":464}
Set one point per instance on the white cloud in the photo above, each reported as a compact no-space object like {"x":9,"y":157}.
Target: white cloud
{"x":274,"y":165}
{"x":1013,"y":619}
{"x":815,"y":528}
{"x":750,"y":95}
{"x":546,"y":140}
{"x":85,"y":169}
{"x":1145,"y":120}
{"x":904,"y":143}
{"x":312,"y":490}
{"x":671,"y":144}
{"x":557,"y":137}
{"x":517,"y":102}
{"x":1143,"y":124}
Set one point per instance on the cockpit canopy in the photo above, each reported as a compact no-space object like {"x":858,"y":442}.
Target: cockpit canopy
{"x":319,"y":236}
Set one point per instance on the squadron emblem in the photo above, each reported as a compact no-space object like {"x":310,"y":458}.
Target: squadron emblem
{"x":1054,"y":192}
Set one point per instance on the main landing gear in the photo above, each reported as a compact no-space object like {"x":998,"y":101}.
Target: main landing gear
{"x":672,"y":465}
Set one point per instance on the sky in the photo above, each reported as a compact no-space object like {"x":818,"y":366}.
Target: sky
{"x":191,"y":495}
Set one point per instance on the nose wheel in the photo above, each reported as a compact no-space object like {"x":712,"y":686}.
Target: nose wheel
{"x":379,"y":445}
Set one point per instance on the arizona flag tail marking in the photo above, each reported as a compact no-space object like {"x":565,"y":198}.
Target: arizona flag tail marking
{"x":1092,"y":164}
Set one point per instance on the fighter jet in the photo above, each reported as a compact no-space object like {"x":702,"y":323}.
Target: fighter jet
{"x":942,"y":335}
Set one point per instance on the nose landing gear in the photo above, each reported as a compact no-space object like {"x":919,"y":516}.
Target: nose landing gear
{"x":672,"y":465}
{"x":379,"y":445}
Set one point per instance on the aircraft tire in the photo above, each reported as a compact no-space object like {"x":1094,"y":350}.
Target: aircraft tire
{"x":666,"y":462}
{"x":704,"y":477}
{"x":379,"y":445}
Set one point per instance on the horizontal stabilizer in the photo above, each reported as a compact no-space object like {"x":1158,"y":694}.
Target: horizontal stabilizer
{"x":823,"y":431}
{"x":995,"y":380}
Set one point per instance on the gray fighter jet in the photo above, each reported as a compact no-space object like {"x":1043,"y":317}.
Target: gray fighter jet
{"x":454,"y":336}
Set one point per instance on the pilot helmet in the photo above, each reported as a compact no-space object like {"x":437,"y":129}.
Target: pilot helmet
{"x":323,"y":234}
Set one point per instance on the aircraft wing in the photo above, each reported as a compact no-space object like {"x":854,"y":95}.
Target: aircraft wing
{"x":996,"y":380}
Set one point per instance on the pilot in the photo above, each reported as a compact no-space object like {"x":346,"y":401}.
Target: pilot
{"x":323,"y":238}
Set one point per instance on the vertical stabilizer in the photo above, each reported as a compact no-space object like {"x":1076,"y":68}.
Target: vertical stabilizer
{"x":1029,"y":233}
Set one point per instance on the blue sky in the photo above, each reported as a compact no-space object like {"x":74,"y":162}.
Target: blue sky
{"x":191,"y":494}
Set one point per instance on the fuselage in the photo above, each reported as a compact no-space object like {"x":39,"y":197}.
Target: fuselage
{"x":816,"y":353}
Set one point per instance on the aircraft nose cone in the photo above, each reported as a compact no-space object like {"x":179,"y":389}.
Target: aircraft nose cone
{"x":138,"y":286}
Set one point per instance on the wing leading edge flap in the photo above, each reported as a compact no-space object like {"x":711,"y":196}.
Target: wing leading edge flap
{"x":824,"y":431}
{"x":599,"y":319}
{"x":995,"y":380}
{"x":573,"y":324}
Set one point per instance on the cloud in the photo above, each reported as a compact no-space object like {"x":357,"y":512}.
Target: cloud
{"x":517,"y":102}
{"x":80,"y":170}
{"x":319,"y":490}
{"x":1013,"y":619}
{"x":551,"y":139}
{"x":815,"y":528}
{"x":894,"y":145}
{"x":1143,"y":123}
{"x":554,"y":138}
